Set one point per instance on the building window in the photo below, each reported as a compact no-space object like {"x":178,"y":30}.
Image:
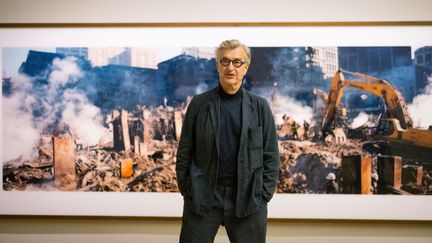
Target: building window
{"x":428,"y":58}
{"x":420,"y":59}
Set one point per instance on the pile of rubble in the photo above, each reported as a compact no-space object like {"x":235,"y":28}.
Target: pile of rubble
{"x":149,"y":136}
{"x":18,"y":173}
{"x":97,"y":169}
{"x":141,"y":157}
{"x":100,"y":170}
{"x":305,"y":164}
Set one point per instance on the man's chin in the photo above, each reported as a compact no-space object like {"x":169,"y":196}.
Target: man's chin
{"x":230,"y":82}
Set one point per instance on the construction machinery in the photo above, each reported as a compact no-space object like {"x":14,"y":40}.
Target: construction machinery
{"x":395,"y":133}
{"x":318,"y":93}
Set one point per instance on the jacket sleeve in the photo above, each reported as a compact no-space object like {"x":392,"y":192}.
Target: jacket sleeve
{"x":186,"y":148}
{"x":271,"y":158}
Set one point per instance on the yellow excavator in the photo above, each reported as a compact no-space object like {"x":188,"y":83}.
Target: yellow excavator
{"x":395,"y":130}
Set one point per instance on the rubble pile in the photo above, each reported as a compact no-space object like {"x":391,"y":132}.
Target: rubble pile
{"x":17,"y":177}
{"x":98,"y":168}
{"x":18,"y":173}
{"x":305,"y":165}
{"x":290,"y":129}
{"x":139,"y":155}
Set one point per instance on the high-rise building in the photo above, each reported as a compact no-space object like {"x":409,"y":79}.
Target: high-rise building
{"x":200,"y":52}
{"x":137,"y":57}
{"x":73,"y":51}
{"x":326,"y":58}
{"x":423,"y":57}
{"x":183,"y":76}
{"x":102,"y":56}
{"x":391,"y":63}
{"x":373,"y":59}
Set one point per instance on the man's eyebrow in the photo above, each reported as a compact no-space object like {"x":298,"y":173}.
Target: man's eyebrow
{"x":237,"y":58}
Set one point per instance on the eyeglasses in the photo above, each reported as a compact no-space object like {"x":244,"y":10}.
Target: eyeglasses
{"x":225,"y":62}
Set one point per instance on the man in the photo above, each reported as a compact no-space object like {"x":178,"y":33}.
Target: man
{"x":228,"y":158}
{"x":332,"y":187}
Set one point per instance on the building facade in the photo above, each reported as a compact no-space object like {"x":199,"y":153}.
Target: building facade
{"x":423,"y":57}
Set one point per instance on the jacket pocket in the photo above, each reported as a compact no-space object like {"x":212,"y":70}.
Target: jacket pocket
{"x":255,"y":148}
{"x":255,"y":137}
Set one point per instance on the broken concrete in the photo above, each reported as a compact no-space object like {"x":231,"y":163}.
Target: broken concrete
{"x":356,"y":174}
{"x":149,"y":163}
{"x":64,"y":162}
{"x":389,"y":172}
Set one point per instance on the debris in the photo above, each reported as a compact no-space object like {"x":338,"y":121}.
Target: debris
{"x":126,"y":168}
{"x":148,"y":165}
{"x":356,"y":172}
{"x":64,"y":162}
{"x":389,"y":173}
{"x":141,"y":157}
{"x":412,"y":174}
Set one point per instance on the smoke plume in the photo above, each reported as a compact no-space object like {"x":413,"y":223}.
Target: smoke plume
{"x":83,"y":118}
{"x":286,"y":105}
{"x":33,"y":107}
{"x":293,"y":108}
{"x":419,"y":109}
{"x":20,"y":134}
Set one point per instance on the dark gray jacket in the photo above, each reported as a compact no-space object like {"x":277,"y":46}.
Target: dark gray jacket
{"x":197,"y":154}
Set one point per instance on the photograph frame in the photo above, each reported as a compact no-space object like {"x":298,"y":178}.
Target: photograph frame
{"x":382,"y":207}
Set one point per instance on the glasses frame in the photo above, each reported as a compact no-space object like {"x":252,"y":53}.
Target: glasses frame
{"x":231,"y":61}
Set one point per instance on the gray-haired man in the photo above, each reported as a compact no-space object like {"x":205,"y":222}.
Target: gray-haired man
{"x":228,"y":158}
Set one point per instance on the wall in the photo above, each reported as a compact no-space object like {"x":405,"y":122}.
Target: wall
{"x":58,"y":11}
{"x":107,"y":229}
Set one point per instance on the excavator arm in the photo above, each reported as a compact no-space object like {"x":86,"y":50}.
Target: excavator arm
{"x":395,"y":103}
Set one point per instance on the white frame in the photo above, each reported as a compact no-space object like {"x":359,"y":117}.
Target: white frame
{"x":291,"y":206}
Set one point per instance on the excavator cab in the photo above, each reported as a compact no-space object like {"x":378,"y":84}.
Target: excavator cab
{"x":385,"y":128}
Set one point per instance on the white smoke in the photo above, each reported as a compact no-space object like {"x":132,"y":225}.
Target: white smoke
{"x":285,"y":105}
{"x":292,"y":108}
{"x":360,"y":120}
{"x":21,"y":129}
{"x":64,"y":71}
{"x":419,"y":109}
{"x":19,"y":132}
{"x":202,"y":87}
{"x":83,"y":117}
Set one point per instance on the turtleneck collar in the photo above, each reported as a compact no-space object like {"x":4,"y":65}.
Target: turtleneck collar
{"x":225,"y":95}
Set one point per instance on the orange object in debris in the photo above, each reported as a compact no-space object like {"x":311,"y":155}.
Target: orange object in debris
{"x":126,"y":168}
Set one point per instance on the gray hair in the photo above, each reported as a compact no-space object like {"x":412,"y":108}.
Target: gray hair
{"x":232,"y":44}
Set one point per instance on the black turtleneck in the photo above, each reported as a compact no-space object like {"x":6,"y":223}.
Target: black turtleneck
{"x":229,"y":134}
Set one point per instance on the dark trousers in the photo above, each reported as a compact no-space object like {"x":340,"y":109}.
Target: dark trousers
{"x":203,"y":228}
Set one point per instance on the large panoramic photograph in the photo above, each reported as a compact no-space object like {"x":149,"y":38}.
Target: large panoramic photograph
{"x":349,"y":119}
{"x":85,"y":119}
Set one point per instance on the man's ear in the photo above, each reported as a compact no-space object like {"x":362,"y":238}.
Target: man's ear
{"x":247,"y":68}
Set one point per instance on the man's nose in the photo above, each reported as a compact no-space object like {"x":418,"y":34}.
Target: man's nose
{"x":230,"y":66}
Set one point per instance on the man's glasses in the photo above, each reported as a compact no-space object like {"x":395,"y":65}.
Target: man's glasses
{"x":236,"y":62}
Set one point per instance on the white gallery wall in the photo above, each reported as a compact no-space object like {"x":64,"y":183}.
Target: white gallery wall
{"x":172,"y":11}
{"x":112,"y":229}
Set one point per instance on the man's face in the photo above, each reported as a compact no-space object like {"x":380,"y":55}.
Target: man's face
{"x":229,"y":75}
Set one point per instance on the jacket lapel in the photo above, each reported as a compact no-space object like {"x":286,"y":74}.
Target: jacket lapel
{"x":214,"y":110}
{"x":247,"y":109}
